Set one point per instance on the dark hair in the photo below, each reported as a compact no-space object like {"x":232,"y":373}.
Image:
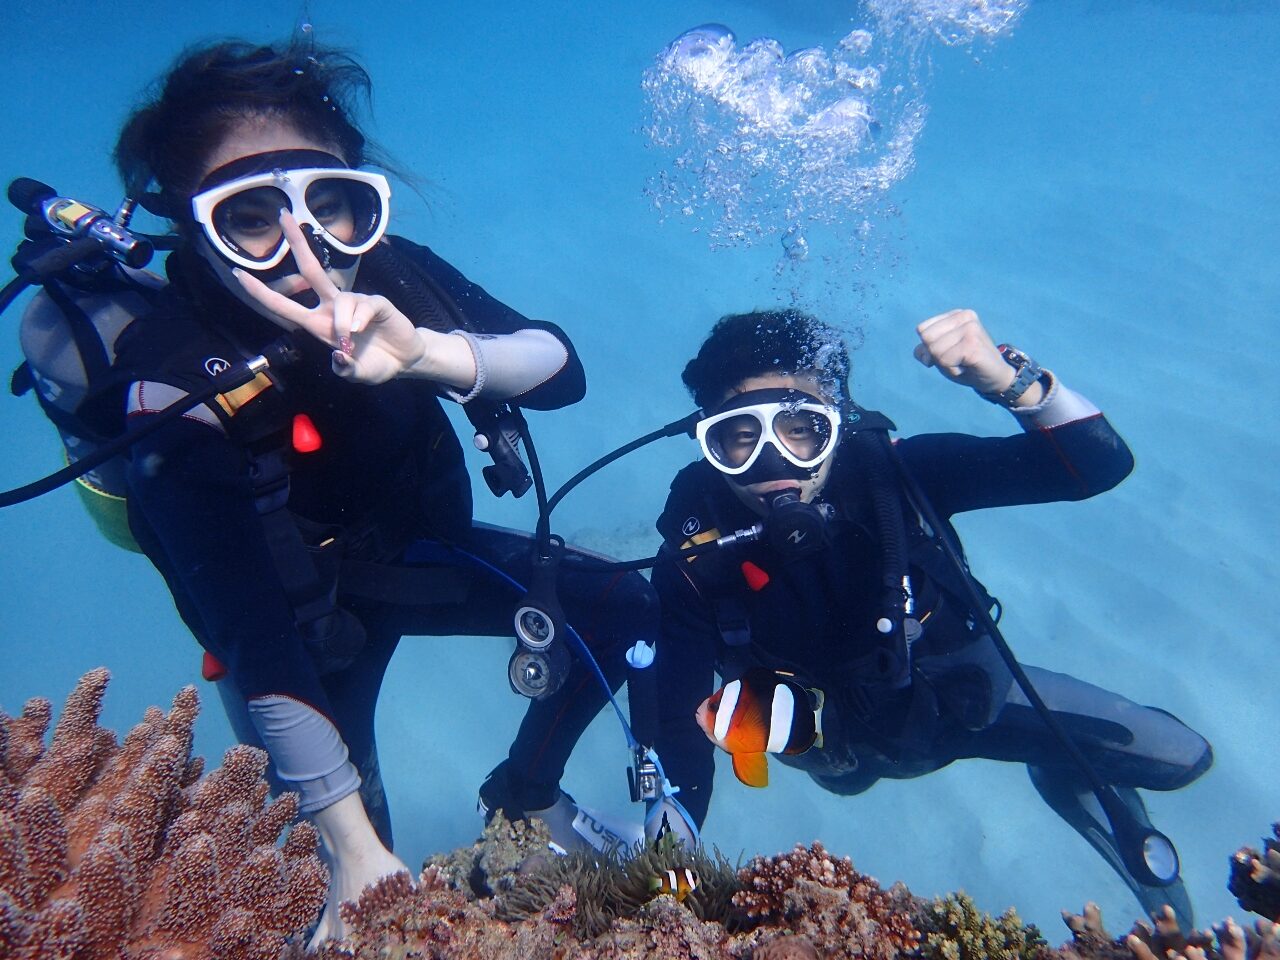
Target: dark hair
{"x":744,"y":345}
{"x":212,"y":88}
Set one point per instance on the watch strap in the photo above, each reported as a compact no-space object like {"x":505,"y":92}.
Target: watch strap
{"x":1028,"y":372}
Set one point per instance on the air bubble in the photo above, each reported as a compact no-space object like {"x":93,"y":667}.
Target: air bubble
{"x":763,"y":143}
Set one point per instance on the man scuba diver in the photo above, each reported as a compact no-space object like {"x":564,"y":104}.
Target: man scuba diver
{"x":848,"y":638}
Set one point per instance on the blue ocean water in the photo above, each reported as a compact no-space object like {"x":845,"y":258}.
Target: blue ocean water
{"x":1098,"y":182}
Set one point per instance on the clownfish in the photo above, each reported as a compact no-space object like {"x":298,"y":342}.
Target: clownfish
{"x":761,"y":712}
{"x":676,"y":883}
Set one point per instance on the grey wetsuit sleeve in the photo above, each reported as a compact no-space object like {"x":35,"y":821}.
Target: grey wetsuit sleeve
{"x":308,"y":753}
{"x":510,"y":365}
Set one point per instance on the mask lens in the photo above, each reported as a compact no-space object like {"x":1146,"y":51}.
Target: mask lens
{"x":805,"y":433}
{"x":249,"y":222}
{"x":348,"y":210}
{"x":733,"y":440}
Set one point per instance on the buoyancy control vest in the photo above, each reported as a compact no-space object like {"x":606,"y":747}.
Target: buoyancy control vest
{"x":942,"y":663}
{"x":320,"y":564}
{"x":69,"y":336}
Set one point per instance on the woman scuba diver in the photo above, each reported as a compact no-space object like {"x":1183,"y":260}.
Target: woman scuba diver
{"x":306,"y":521}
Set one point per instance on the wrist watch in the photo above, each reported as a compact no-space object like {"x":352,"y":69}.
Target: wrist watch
{"x":1028,"y":373}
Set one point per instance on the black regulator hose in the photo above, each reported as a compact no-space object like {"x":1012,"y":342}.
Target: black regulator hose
{"x":1148,"y":854}
{"x":279,"y":353}
{"x":675,"y":428}
{"x":12,"y":290}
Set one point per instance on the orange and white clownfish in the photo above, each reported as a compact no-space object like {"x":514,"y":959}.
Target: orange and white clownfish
{"x":676,"y":883}
{"x":761,"y":712}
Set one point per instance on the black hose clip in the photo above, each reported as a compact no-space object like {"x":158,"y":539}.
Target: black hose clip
{"x":499,"y":429}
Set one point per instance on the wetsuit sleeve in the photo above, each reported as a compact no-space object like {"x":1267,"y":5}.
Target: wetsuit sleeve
{"x":1069,"y":461}
{"x":557,"y":382}
{"x":685,"y":661}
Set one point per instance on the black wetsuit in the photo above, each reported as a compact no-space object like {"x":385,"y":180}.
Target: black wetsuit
{"x":389,"y":483}
{"x":816,"y":617}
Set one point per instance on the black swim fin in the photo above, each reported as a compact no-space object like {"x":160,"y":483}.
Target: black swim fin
{"x":1070,"y":797}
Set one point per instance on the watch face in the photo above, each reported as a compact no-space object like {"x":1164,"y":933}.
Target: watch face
{"x":1014,"y":357}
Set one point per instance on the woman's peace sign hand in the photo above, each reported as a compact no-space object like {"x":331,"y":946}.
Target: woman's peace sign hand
{"x":373,"y":341}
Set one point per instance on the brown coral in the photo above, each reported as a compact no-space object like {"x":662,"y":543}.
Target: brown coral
{"x":1163,"y":939}
{"x":785,"y":947}
{"x":821,"y":897}
{"x":430,"y":919}
{"x":108,"y":850}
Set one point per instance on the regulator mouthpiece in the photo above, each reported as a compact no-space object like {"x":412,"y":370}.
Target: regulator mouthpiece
{"x":795,"y":528}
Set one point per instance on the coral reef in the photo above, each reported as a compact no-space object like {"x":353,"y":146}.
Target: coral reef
{"x":798,"y":906}
{"x":124,"y":851}
{"x":803,"y":905}
{"x":491,"y":864}
{"x":843,"y":913}
{"x":1255,"y":877}
{"x":113,"y":850}
{"x":786,"y":947}
{"x":607,"y":890}
{"x":955,"y":929}
{"x":1163,"y":939}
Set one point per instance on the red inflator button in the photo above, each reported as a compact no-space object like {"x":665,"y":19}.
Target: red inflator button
{"x":756,"y":578}
{"x":212,"y":669}
{"x":306,"y":438}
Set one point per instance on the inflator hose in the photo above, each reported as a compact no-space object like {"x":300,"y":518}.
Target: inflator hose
{"x":277,"y":354}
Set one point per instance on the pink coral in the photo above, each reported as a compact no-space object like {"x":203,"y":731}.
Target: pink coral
{"x":113,"y":850}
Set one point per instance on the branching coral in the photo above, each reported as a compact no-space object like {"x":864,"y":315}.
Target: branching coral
{"x":434,"y":920}
{"x":823,"y":898}
{"x":955,"y":929}
{"x":1255,"y":877}
{"x":108,"y":850}
{"x":1162,"y":939}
